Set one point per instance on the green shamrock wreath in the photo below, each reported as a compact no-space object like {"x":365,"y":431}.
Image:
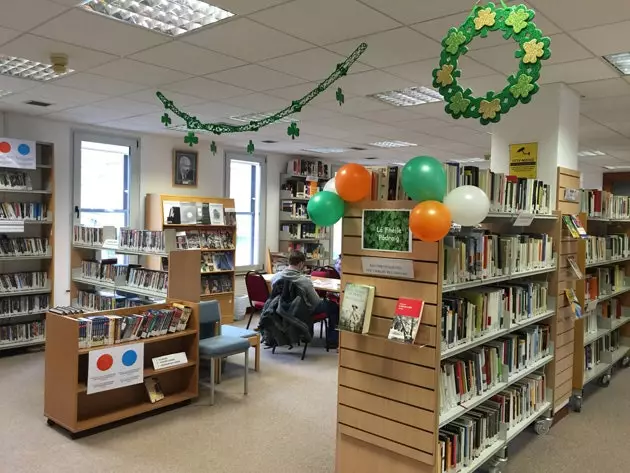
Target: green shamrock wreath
{"x":515,"y":22}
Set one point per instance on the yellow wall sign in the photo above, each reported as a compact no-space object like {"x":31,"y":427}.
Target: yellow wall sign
{"x":524,"y":160}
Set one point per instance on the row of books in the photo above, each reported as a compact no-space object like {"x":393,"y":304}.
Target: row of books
{"x":312,"y":251}
{"x":205,"y":240}
{"x":604,"y":281}
{"x":507,"y":193}
{"x":30,"y":332}
{"x":605,"y":248}
{"x":152,"y":280}
{"x":11,"y":282}
{"x":193,"y":213}
{"x":304,"y":231}
{"x":299,"y":190}
{"x":386,"y":184}
{"x":141,"y":240}
{"x":88,"y":235}
{"x":34,"y":246}
{"x":464,"y":440}
{"x":99,"y":330}
{"x":295,"y":210}
{"x":309,"y":168}
{"x":106,"y":270}
{"x":217,"y":261}
{"x":598,"y":203}
{"x":475,"y":371}
{"x":104,"y":300}
{"x":479,"y":312}
{"x":23,"y":305}
{"x":15,"y":180}
{"x":216,"y":284}
{"x":484,"y":255}
{"x":23,"y":211}
{"x":593,"y":351}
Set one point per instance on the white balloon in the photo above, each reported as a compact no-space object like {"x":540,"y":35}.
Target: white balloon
{"x":331,"y":186}
{"x":469,"y":205}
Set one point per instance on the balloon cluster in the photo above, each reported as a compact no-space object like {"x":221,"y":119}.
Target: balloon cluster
{"x":424,"y":180}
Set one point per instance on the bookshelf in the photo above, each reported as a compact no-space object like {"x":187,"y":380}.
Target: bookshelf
{"x":66,"y":402}
{"x":217,"y":285}
{"x":390,"y":415}
{"x":26,"y":250}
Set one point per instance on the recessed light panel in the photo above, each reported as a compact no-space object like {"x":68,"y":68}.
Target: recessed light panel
{"x":4,"y":93}
{"x":392,"y":144}
{"x":325,"y":150}
{"x":616,"y":167}
{"x":409,"y":97}
{"x":27,"y":69}
{"x":260,"y":116}
{"x":171,"y":17}
{"x":621,"y":61}
{"x":590,"y":153}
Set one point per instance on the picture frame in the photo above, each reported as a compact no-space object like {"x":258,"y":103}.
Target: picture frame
{"x":185,"y":168}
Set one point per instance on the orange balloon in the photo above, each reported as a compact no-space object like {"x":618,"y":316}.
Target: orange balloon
{"x":353,"y":182}
{"x":430,"y":220}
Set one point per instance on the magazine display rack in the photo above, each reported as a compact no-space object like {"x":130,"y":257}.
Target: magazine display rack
{"x":156,"y":213}
{"x":389,"y":415}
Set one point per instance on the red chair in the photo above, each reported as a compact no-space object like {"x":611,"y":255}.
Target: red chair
{"x":257,"y":291}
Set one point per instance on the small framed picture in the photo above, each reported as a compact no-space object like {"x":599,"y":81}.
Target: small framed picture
{"x":185,"y":168}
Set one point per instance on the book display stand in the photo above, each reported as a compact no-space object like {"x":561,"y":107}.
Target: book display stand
{"x":26,"y":250}
{"x":389,"y":394}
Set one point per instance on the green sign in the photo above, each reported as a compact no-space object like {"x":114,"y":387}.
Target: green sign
{"x":386,"y":230}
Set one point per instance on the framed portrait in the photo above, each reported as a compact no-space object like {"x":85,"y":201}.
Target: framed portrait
{"x":185,"y":168}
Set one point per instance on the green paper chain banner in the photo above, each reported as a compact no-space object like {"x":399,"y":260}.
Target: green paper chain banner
{"x":515,"y":22}
{"x":193,"y":123}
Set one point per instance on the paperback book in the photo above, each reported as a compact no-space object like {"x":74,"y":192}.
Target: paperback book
{"x":154,"y":390}
{"x":406,"y":320}
{"x":356,"y":308}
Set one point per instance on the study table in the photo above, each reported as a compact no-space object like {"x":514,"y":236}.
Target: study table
{"x":321,"y":284}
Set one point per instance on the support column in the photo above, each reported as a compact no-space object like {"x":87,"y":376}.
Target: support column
{"x":552,"y":119}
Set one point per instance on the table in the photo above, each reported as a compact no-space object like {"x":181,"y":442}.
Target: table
{"x":322,"y":284}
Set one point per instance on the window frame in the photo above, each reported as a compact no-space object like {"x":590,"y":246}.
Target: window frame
{"x":262,"y":198}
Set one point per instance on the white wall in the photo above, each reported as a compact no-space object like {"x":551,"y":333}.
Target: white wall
{"x":592,"y":179}
{"x":156,"y":154}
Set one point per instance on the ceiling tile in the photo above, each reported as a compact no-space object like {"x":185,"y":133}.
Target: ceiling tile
{"x":24,"y":15}
{"x":258,"y":102}
{"x":608,"y":39}
{"x":129,"y":106}
{"x":355,"y":105}
{"x":567,"y":15}
{"x":186,"y":58}
{"x":298,"y":91}
{"x":17,"y":85}
{"x":243,"y":7}
{"x":105,"y":34}
{"x":7,"y":34}
{"x":205,"y":88}
{"x":148,"y":123}
{"x":370,"y":82}
{"x":579,"y":71}
{"x":99,"y":84}
{"x":148,"y":96}
{"x":139,"y":72}
{"x":255,"y":77}
{"x":39,"y":49}
{"x":602,"y":88}
{"x":421,"y":72}
{"x":314,"y":64}
{"x":481,"y":85}
{"x":412,"y":11}
{"x":393,"y":115}
{"x":247,"y":40}
{"x":89,"y":114}
{"x":325,"y":21}
{"x":216,"y":111}
{"x":60,"y":97}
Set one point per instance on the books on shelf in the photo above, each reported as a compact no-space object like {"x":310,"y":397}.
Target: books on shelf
{"x":205,"y":240}
{"x":105,"y":270}
{"x":603,"y":281}
{"x":20,"y":333}
{"x":92,"y":236}
{"x":12,"y":282}
{"x":154,"y":390}
{"x":312,"y":251}
{"x":105,"y":300}
{"x":217,"y":261}
{"x":216,"y":284}
{"x":303,"y":231}
{"x":356,"y":308}
{"x":99,"y":330}
{"x":574,"y":225}
{"x":216,"y":214}
{"x":23,"y":211}
{"x":299,"y":189}
{"x":386,"y":183}
{"x":601,"y":204}
{"x":16,"y":180}
{"x":293,"y":210}
{"x":23,"y":305}
{"x":407,"y":318}
{"x":141,"y":240}
{"x":309,"y":168}
{"x":197,"y":213}
{"x":34,"y":246}
{"x":152,"y":280}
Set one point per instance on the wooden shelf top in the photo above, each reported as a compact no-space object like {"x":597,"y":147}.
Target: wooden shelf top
{"x":217,"y":294}
{"x":223,"y":271}
{"x":170,"y":336}
{"x":24,"y":257}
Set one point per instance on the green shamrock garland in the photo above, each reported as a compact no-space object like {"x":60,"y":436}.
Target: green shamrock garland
{"x":515,"y":22}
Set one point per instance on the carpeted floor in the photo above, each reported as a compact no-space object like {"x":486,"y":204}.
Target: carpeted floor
{"x":286,"y":424}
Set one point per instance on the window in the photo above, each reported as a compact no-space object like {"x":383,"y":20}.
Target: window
{"x":244,"y":178}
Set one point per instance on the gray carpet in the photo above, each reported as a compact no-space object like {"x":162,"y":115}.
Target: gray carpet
{"x":286,"y":424}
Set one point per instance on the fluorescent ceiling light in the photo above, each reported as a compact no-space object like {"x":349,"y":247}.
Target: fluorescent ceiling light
{"x":27,"y":69}
{"x":470,"y":160}
{"x":325,"y":150}
{"x":621,"y":61}
{"x":617,"y":167}
{"x":171,"y":17}
{"x":590,"y":153}
{"x":260,"y":116}
{"x":4,"y":93}
{"x":392,"y":144}
{"x":409,"y":96}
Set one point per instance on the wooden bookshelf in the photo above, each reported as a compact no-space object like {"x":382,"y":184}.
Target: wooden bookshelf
{"x":156,"y":220}
{"x":42,"y":180}
{"x":388,"y":416}
{"x":66,"y":402}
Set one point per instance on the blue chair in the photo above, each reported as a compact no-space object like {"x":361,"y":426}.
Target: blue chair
{"x":212,"y":346}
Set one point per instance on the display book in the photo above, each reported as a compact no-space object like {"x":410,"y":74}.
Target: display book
{"x":197,"y":213}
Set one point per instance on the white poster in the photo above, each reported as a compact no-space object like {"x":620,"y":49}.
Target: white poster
{"x":17,"y":153}
{"x":114,"y":367}
{"x":398,"y":268}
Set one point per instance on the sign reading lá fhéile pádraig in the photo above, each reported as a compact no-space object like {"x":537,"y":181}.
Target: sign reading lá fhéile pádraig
{"x":524,"y":160}
{"x":386,"y":230}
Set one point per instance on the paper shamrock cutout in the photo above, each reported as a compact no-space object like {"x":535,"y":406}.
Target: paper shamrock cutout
{"x":190,"y":139}
{"x":213,"y":148}
{"x":250,"y":147}
{"x":166,"y":119}
{"x":293,"y":131}
{"x":340,"y":97}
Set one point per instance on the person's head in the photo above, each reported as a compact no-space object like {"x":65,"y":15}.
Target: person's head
{"x":297,"y":259}
{"x":185,"y":164}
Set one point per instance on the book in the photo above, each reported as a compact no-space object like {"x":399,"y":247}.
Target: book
{"x":154,"y":390}
{"x":188,"y":213}
{"x":216,"y":214}
{"x":406,"y":321}
{"x":182,"y":240}
{"x":576,"y":308}
{"x":356,"y":308}
{"x":574,"y":267}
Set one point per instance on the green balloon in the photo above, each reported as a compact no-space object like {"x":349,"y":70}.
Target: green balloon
{"x":423,"y":178}
{"x":325,"y":208}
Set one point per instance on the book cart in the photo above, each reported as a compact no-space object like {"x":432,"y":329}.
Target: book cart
{"x":27,"y":251}
{"x":389,"y":393}
{"x":66,"y":402}
{"x":155,"y":219}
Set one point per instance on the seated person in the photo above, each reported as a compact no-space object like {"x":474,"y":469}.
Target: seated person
{"x":312,"y":300}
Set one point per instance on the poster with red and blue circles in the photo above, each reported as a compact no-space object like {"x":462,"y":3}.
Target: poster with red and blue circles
{"x":18,"y":154}
{"x":114,"y":367}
